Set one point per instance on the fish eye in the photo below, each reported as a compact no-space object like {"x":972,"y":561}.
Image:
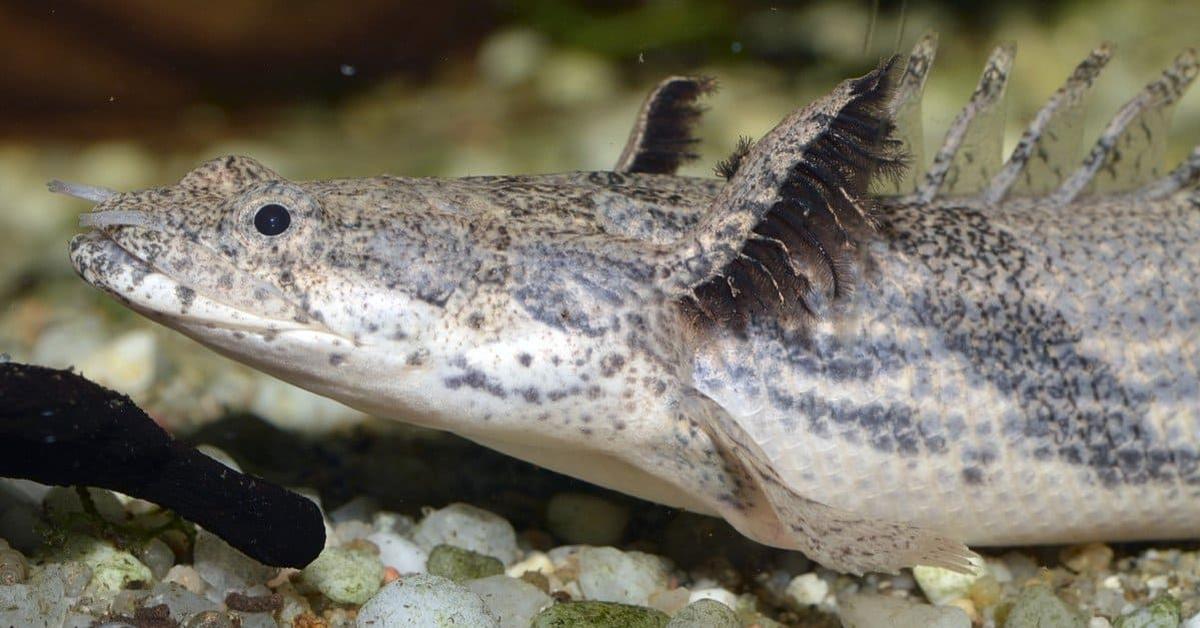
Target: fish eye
{"x":272,"y":219}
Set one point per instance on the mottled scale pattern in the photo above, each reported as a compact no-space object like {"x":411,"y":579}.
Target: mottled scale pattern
{"x":1025,"y":357}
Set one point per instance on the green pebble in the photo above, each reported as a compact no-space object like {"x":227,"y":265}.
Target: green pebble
{"x":345,"y":576}
{"x":112,"y":569}
{"x":1163,"y":612}
{"x":460,"y":564}
{"x":705,"y":614}
{"x":1039,"y":607}
{"x":599,"y":615}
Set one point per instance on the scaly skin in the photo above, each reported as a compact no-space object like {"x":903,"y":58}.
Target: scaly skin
{"x":955,"y":370}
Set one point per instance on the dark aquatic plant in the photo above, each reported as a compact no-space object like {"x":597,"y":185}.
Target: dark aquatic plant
{"x":57,"y":427}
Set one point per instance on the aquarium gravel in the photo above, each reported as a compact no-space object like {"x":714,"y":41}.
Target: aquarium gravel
{"x":371,"y":573}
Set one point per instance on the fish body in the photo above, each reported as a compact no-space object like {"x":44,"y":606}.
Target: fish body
{"x":873,"y":376}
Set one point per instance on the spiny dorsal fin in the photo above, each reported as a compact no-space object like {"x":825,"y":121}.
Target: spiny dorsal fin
{"x":1185,"y":176}
{"x":906,"y":114}
{"x":661,"y":138}
{"x":1049,"y":148}
{"x":970,"y":155}
{"x":1129,"y":152}
{"x":779,"y":240}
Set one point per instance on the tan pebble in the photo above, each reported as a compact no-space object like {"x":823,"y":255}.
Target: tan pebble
{"x":537,"y":579}
{"x":671,"y":600}
{"x":535,"y":561}
{"x":187,"y":577}
{"x":985,"y":591}
{"x":13,"y":567}
{"x":362,"y":545}
{"x":209,"y":619}
{"x":285,"y":575}
{"x":390,"y":574}
{"x":308,"y":620}
{"x":1088,"y":558}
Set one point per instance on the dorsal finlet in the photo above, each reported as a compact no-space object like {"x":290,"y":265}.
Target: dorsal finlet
{"x":1050,"y":145}
{"x":970,"y":154}
{"x":906,"y":114}
{"x":1185,"y":176}
{"x":1129,"y":151}
{"x":662,"y":138}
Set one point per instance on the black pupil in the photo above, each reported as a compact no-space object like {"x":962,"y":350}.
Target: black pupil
{"x":272,"y":219}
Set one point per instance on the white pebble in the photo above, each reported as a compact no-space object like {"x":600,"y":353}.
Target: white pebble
{"x":1191,"y":622}
{"x":565,"y":555}
{"x":670,"y":601}
{"x":294,"y":409}
{"x":607,"y":574}
{"x":183,"y":603}
{"x":808,"y":589}
{"x":112,"y":569}
{"x":399,"y":553}
{"x":1099,"y":622}
{"x":75,"y":576}
{"x":881,"y":611}
{"x":347,"y":531}
{"x":225,"y":568}
{"x":39,"y":603}
{"x":361,"y":508}
{"x":424,"y":600}
{"x":468,"y":527}
{"x":127,"y":363}
{"x":717,"y":594}
{"x":999,"y":571}
{"x":125,"y":602}
{"x":61,"y":501}
{"x":392,"y":522}
{"x":513,"y":602}
{"x":254,"y":620}
{"x":187,"y":577}
{"x":157,"y":555}
{"x":942,"y":585}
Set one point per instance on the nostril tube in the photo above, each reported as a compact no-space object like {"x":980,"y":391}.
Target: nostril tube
{"x":92,"y":193}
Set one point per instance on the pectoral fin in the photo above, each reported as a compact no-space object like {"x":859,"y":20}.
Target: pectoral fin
{"x":780,"y":242}
{"x":762,"y":506}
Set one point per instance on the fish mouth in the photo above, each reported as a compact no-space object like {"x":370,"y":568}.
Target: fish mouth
{"x":101,"y":260}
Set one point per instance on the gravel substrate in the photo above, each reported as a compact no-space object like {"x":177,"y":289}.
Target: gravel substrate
{"x":576,"y":557}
